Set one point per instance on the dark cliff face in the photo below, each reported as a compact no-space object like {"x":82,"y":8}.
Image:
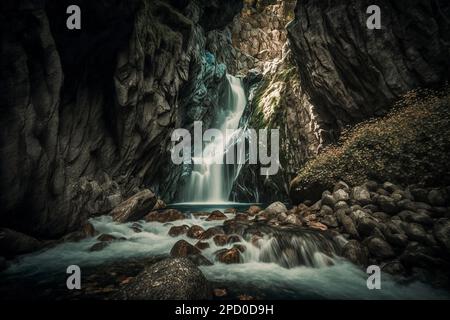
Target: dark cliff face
{"x":352,"y":73}
{"x":87,"y":115}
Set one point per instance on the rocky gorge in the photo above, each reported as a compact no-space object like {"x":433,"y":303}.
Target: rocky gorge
{"x":87,"y":118}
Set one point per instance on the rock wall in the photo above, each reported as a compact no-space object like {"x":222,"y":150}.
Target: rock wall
{"x":352,"y":73}
{"x":87,"y":115}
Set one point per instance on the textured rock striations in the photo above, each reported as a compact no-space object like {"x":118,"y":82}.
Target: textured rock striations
{"x":352,"y":73}
{"x":87,"y":115}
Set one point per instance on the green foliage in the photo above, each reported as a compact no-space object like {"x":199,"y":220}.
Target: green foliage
{"x":410,"y":145}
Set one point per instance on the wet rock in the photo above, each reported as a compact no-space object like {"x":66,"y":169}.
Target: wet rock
{"x":241,"y":217}
{"x":326,"y":210}
{"x":216,"y":215}
{"x":195,"y":232}
{"x":437,"y":197}
{"x":276,"y":208}
{"x":371,"y":185}
{"x":317,"y":225}
{"x":230,"y":210}
{"x":417,"y":255}
{"x":416,"y":232}
{"x":361,"y":195}
{"x":380,"y":248}
{"x":167,"y":215}
{"x":340,"y":195}
{"x":240,"y":247}
{"x":441,"y":232}
{"x":233,"y":239}
{"x":419,"y":217}
{"x":340,"y":205}
{"x":355,"y":253}
{"x":200,"y":260}
{"x":233,"y":226}
{"x":170,"y":279}
{"x":220,"y":293}
{"x":293,"y":219}
{"x":419,"y":194}
{"x":282,"y":217}
{"x":135,"y":207}
{"x":177,"y":231}
{"x":229,"y":256}
{"x":347,"y":223}
{"x":397,"y":239}
{"x":183,"y":248}
{"x":253,"y":210}
{"x":330,"y":221}
{"x":13,"y":243}
{"x":381,"y":216}
{"x":393,"y":268}
{"x":159,"y":205}
{"x":387,"y":204}
{"x":365,"y":226}
{"x":328,"y":200}
{"x":211,"y":232}
{"x":106,"y":237}
{"x":220,"y":240}
{"x":202,"y":245}
{"x":390,"y":187}
{"x":99,"y":246}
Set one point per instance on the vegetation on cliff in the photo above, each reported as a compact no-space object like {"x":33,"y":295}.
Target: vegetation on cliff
{"x":410,"y":145}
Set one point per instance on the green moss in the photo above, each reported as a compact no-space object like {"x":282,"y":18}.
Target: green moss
{"x":410,"y":145}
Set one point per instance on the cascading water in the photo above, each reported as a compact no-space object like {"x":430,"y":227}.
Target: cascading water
{"x":211,"y":181}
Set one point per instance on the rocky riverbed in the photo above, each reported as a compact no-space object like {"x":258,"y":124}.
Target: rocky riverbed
{"x":313,"y":250}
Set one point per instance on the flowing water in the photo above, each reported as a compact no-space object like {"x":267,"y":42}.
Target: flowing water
{"x":211,"y":180}
{"x":297,"y":264}
{"x":282,"y":266}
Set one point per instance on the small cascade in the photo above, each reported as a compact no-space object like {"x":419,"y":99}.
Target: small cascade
{"x":289,"y":250}
{"x":211,"y":181}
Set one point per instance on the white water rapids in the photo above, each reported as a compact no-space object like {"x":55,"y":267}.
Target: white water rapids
{"x":341,"y":280}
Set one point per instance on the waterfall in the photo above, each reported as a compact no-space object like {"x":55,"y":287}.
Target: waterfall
{"x":210,"y":181}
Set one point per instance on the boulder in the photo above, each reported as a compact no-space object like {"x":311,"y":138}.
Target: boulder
{"x":355,"y":253}
{"x":276,"y":208}
{"x":13,"y":243}
{"x":340,"y":205}
{"x":106,"y":237}
{"x":195,"y":232}
{"x":233,"y":239}
{"x":380,"y":248}
{"x":326,"y":210}
{"x":387,"y":204}
{"x":317,"y":225}
{"x":216,"y":215}
{"x":177,"y":231}
{"x":347,"y":223}
{"x":441,"y":232}
{"x":341,"y":185}
{"x":229,"y":256}
{"x":437,"y":197}
{"x":169,"y":279}
{"x":390,"y":187}
{"x":330,"y":221}
{"x":253,"y":210}
{"x":361,"y":195}
{"x":416,"y":232}
{"x":134,"y":208}
{"x":202,"y":245}
{"x":183,"y":248}
{"x":328,"y":200}
{"x":167,"y":215}
{"x":220,"y":240}
{"x":293,"y":219}
{"x":241,"y":217}
{"x":211,"y":232}
{"x":420,"y":217}
{"x":99,"y":246}
{"x":340,"y":195}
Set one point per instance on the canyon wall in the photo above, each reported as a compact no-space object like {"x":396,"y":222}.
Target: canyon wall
{"x":352,"y":73}
{"x":87,"y":114}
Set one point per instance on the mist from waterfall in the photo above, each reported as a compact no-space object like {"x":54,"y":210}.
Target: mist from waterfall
{"x":210,"y":181}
